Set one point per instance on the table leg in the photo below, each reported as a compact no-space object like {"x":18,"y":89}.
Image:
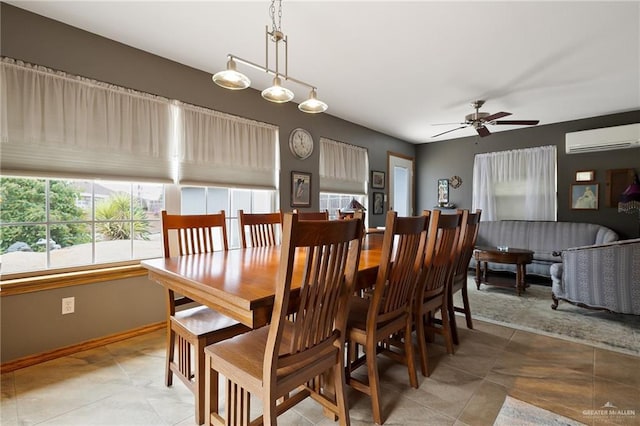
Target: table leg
{"x":478,"y":274}
{"x":520,"y":274}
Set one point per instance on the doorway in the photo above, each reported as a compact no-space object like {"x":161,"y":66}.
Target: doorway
{"x":401,"y":172}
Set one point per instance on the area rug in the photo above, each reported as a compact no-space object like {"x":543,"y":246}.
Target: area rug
{"x":518,"y":413}
{"x":532,"y":312}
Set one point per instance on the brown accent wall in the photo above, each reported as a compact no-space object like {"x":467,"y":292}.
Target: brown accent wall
{"x":455,"y":157}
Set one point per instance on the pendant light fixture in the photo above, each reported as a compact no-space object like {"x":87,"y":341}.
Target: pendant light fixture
{"x":235,"y":80}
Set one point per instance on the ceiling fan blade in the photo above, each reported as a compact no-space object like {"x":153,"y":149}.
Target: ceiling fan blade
{"x":483,"y":131}
{"x":523,"y":122}
{"x":445,"y":124}
{"x":496,"y":116}
{"x":452,"y":130}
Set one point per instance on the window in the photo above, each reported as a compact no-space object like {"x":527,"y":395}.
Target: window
{"x":207,"y":200}
{"x":334,"y":202}
{"x":61,"y":223}
{"x":518,"y":184}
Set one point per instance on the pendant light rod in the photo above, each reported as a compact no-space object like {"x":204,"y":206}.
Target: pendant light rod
{"x":269,"y":71}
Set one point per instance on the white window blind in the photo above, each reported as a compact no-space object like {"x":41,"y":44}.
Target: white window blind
{"x":344,"y":168}
{"x":516,"y":184}
{"x":57,"y":124}
{"x":222,"y":149}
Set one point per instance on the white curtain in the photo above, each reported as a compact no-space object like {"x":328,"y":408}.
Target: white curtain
{"x":516,"y":184}
{"x":218,"y":148}
{"x":344,"y":168}
{"x":57,"y":124}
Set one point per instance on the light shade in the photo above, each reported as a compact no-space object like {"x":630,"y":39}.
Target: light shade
{"x":277,"y":93}
{"x":230,"y":78}
{"x":629,"y":201}
{"x":312,"y":105}
{"x":355,"y":205}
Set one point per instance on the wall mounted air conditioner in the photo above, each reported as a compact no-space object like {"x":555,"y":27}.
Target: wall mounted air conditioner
{"x":605,"y":139}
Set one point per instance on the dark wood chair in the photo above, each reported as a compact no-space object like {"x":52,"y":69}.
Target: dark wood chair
{"x":283,"y":363}
{"x":468,"y":234}
{"x":264,"y":229}
{"x":435,"y":278}
{"x":321,"y":215}
{"x":191,"y":329}
{"x":388,"y":310}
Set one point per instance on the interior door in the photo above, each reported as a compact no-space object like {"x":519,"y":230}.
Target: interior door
{"x":401,"y":172}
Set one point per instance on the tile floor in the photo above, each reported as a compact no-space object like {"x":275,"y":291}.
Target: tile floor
{"x":122,"y":384}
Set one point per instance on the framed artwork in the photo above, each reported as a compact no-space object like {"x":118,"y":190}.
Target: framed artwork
{"x":378,"y":202}
{"x":585,"y":175}
{"x":300,"y":189}
{"x":584,"y":196}
{"x":443,"y":191}
{"x":377,"y":179}
{"x":617,"y":182}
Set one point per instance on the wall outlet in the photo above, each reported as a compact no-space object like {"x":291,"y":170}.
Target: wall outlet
{"x":68,"y":305}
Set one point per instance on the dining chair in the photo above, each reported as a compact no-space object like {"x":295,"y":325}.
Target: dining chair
{"x":318,"y":267}
{"x":264,"y":229}
{"x":468,"y":234}
{"x":191,"y":329}
{"x":382,"y":321}
{"x":321,"y":215}
{"x":435,"y":278}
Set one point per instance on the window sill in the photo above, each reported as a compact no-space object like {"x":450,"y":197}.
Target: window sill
{"x":67,"y":279}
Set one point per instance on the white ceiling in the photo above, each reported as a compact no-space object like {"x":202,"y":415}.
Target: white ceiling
{"x":401,"y":67}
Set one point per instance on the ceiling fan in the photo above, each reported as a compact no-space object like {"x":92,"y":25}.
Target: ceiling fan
{"x":479,"y":120}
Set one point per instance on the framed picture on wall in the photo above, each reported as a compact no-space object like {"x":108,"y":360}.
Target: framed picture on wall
{"x":585,"y":175}
{"x":443,"y":191}
{"x":584,"y":196}
{"x":300,"y":189}
{"x":378,"y":202}
{"x":377,"y":179}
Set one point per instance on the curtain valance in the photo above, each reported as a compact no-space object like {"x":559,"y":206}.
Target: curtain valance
{"x":56,"y":124}
{"x":344,"y":168}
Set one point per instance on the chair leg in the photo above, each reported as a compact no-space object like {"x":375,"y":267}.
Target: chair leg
{"x":374,"y":381}
{"x":409,"y":355}
{"x":467,"y":310}
{"x":211,"y":391}
{"x":446,"y":328}
{"x":340,"y":385}
{"x":422,"y":343}
{"x":199,"y":385}
{"x":270,"y":412}
{"x":171,"y":342}
{"x":452,"y":319}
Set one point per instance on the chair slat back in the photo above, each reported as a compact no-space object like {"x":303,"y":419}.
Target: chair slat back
{"x":264,"y":229}
{"x":194,"y":234}
{"x":332,"y":252}
{"x":321,"y":215}
{"x":470,"y":223}
{"x":400,"y":264}
{"x":440,"y":253}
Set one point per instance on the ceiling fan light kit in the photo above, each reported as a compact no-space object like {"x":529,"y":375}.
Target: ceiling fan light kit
{"x":234,"y":80}
{"x":478,"y":120}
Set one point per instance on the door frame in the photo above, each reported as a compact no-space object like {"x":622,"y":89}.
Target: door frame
{"x":413,"y":178}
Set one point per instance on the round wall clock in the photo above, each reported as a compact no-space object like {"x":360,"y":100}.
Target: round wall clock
{"x":455,"y":182}
{"x":301,"y":143}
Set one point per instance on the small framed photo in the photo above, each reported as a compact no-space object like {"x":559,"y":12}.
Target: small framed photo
{"x":584,"y":196}
{"x":378,"y":202}
{"x":300,"y":189}
{"x":585,"y":175}
{"x":443,"y":192}
{"x":377,"y":179}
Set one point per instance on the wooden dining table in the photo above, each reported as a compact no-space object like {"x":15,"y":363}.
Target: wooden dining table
{"x":241,"y":283}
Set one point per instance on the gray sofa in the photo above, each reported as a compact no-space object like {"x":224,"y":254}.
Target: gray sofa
{"x":544,"y":238}
{"x":603,"y":276}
